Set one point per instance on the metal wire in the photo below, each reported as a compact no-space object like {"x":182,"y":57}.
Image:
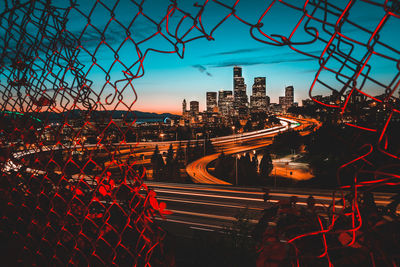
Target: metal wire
{"x":49,"y":64}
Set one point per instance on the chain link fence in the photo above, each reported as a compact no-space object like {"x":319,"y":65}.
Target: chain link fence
{"x":67,"y":67}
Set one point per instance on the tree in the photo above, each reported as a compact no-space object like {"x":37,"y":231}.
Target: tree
{"x":158,"y":164}
{"x":170,"y":154}
{"x":223,"y":168}
{"x":130,"y":135}
{"x":180,"y":154}
{"x":273,"y":120}
{"x":286,"y":142}
{"x":254,"y":162}
{"x":247,"y":173}
{"x":179,"y":161}
{"x":170,"y":165}
{"x":248,"y":126}
{"x":237,"y":125}
{"x":209,"y":147}
{"x":266,"y":165}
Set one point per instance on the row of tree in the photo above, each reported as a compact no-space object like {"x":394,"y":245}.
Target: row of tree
{"x":248,"y":170}
{"x":169,"y":165}
{"x":332,"y":146}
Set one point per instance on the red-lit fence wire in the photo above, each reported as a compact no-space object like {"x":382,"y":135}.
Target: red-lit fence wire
{"x":69,"y":200}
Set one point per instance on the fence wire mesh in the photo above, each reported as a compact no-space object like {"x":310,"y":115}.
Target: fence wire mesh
{"x":65,"y":201}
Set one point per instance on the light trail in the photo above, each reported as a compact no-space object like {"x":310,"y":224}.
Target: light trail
{"x":208,"y":206}
{"x":208,"y":195}
{"x":168,"y":199}
{"x":188,"y":223}
{"x":211,"y":216}
{"x":197,"y":170}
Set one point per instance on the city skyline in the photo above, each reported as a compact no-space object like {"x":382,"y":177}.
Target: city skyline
{"x":255,"y":91}
{"x":275,"y":87}
{"x":169,"y":132}
{"x":206,"y":64}
{"x":236,"y":102}
{"x":188,"y":70}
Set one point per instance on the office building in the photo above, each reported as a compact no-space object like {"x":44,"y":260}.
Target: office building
{"x":194,"y":108}
{"x":240,"y":101}
{"x":287,"y":100}
{"x":258,"y":99}
{"x":184,"y":107}
{"x":211,"y":101}
{"x":289,"y":95}
{"x":225,"y":103}
{"x":282,"y":101}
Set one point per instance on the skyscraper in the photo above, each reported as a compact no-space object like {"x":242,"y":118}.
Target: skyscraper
{"x":287,"y":100}
{"x":258,"y":99}
{"x":289,"y":95}
{"x":194,"y":108}
{"x":211,"y":101}
{"x":225,"y":103}
{"x":237,"y":71}
{"x":240,"y":101}
{"x":282,"y":101}
{"x":184,"y":107}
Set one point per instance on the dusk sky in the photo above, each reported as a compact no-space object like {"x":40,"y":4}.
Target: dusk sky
{"x":207,"y":65}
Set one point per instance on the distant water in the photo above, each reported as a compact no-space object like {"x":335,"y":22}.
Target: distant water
{"x":143,"y":120}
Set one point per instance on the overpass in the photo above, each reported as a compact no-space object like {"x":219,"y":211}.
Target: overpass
{"x":197,"y":170}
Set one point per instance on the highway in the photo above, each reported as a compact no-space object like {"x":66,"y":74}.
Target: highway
{"x":208,"y":207}
{"x":197,"y":170}
{"x":213,"y":207}
{"x":200,"y":207}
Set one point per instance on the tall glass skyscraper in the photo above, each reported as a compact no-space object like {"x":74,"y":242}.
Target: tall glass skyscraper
{"x":258,"y":98}
{"x":240,"y":100}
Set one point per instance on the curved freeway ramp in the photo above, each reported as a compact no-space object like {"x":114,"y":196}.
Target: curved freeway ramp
{"x":197,"y":170}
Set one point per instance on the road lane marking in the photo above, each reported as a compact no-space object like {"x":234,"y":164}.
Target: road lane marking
{"x":189,"y":223}
{"x":208,"y":195}
{"x":207,"y":203}
{"x":220,"y":217}
{"x":201,"y":229}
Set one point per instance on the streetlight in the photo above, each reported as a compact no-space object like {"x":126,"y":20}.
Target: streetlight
{"x":236,"y":158}
{"x":208,"y":137}
{"x":233,"y":131}
{"x":204,"y":146}
{"x":286,"y":164}
{"x":162,"y":136}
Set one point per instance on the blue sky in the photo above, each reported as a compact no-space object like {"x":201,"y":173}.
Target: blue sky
{"x":207,"y":65}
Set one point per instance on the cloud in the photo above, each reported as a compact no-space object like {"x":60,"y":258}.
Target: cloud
{"x":257,"y":61}
{"x":237,"y":51}
{"x":235,"y":63}
{"x":202,"y":69}
{"x":114,"y":34}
